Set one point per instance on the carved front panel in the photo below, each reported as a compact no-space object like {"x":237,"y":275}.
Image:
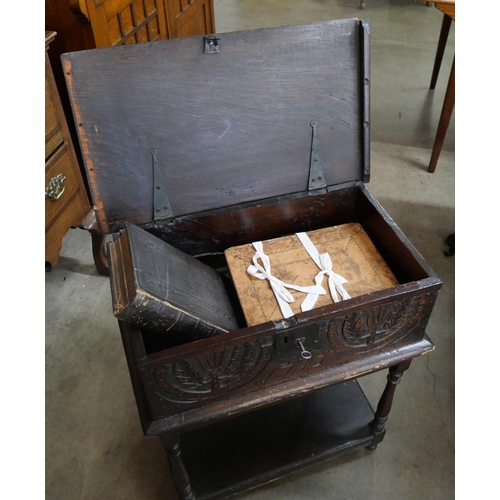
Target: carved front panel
{"x":254,"y":365}
{"x":376,"y":327}
{"x":214,"y":374}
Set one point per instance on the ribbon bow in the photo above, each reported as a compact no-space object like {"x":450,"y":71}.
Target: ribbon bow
{"x":324,"y":262}
{"x":283,"y":296}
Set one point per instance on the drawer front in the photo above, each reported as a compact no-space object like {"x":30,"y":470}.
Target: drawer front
{"x":61,"y":184}
{"x":53,"y":136}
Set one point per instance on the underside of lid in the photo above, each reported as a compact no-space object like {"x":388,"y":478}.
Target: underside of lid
{"x":210,"y":130}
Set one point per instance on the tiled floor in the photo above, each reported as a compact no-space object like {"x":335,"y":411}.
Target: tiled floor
{"x":94,"y":445}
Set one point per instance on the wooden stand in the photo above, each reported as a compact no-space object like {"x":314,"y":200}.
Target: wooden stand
{"x":238,"y":443}
{"x":256,"y":448}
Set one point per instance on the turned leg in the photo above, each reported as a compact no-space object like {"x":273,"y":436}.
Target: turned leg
{"x":443,"y":37}
{"x":99,"y":252}
{"x":171,"y":444}
{"x":385,"y":402}
{"x":98,"y":243}
{"x":444,"y":120}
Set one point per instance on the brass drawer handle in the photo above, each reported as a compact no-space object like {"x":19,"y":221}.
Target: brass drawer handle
{"x":56,"y":188}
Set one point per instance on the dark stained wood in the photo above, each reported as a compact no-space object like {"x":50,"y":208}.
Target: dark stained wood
{"x":212,"y":232}
{"x":403,"y":258}
{"x":448,"y":9}
{"x":98,"y":238}
{"x":170,"y":441}
{"x":233,"y":455}
{"x":229,"y":127}
{"x":385,"y":403}
{"x":443,"y":37}
{"x":365,"y":100}
{"x":411,"y":302}
{"x":190,"y":380}
{"x":215,"y":230}
{"x":181,"y":410}
{"x":221,"y":123}
{"x":444,"y":120}
{"x":159,"y":288}
{"x":89,"y":24}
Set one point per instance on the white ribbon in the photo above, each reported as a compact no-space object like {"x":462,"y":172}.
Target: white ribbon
{"x":283,"y":296}
{"x":324,"y":262}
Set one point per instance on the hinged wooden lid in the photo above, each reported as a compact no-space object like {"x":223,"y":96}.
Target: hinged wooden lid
{"x":220,"y":127}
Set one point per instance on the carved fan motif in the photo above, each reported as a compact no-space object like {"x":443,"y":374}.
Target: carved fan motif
{"x":376,"y":326}
{"x":213,"y":374}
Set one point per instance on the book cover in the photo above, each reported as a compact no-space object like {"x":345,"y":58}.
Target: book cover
{"x":162,"y":289}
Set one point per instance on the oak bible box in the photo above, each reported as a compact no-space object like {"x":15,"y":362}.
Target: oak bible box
{"x":212,"y":142}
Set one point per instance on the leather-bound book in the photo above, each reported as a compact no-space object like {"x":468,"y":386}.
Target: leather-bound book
{"x":162,"y":289}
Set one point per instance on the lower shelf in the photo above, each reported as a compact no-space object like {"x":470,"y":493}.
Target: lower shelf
{"x":255,"y":448}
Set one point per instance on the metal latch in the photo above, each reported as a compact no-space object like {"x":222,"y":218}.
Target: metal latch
{"x":211,"y":44}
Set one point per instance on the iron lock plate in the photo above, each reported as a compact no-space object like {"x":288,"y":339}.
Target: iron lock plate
{"x":300,"y":339}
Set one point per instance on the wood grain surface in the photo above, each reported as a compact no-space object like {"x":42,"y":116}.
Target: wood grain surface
{"x":228,"y":127}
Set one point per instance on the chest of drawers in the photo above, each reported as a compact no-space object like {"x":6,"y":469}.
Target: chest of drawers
{"x":66,"y":201}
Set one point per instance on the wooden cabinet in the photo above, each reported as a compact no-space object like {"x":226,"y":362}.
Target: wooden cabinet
{"x":90,"y":24}
{"x":105,"y":23}
{"x":66,"y":202}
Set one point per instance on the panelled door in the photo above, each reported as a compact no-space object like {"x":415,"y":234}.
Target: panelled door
{"x":118,"y":22}
{"x":190,"y":17}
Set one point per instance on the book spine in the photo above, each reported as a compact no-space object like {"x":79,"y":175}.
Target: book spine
{"x":118,"y":277}
{"x":157,"y":316}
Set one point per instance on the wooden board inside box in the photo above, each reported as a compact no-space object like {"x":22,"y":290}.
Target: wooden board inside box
{"x":353,"y":255}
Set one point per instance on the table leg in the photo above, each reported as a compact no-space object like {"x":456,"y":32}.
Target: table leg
{"x":98,"y":243}
{"x":444,"y":120}
{"x":443,"y":37}
{"x":99,"y":253}
{"x":385,"y":402}
{"x":171,"y":444}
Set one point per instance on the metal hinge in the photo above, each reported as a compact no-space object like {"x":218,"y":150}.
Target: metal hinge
{"x":316,"y":174}
{"x":161,"y":204}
